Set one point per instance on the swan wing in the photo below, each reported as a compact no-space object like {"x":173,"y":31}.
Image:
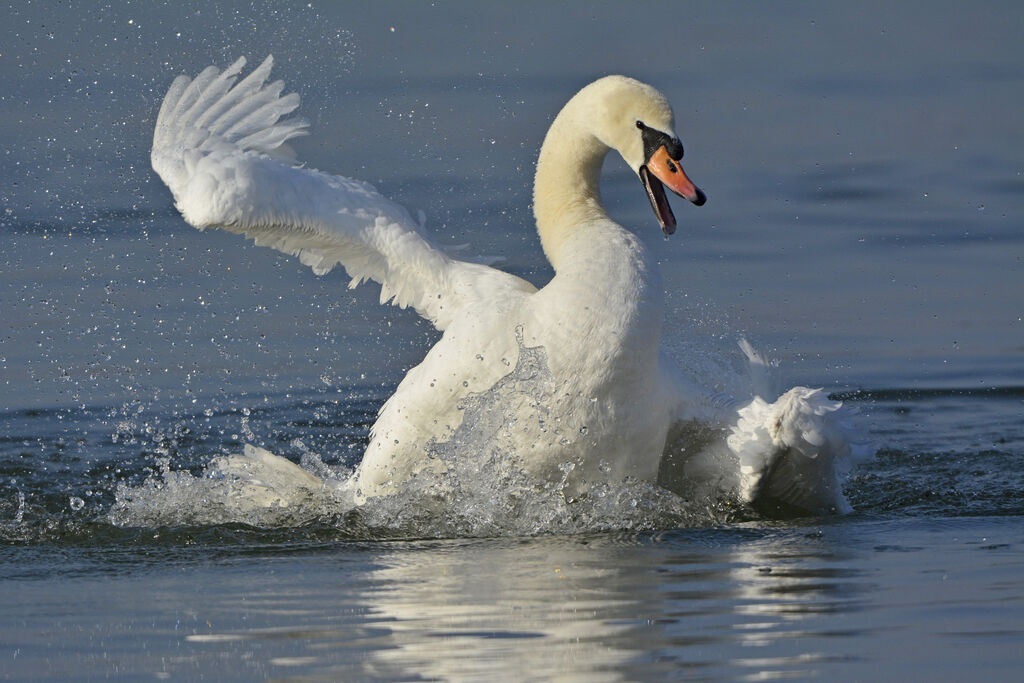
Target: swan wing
{"x":221,"y":148}
{"x":795,"y":453}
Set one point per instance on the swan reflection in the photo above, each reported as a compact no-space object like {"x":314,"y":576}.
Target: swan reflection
{"x":596,"y":608}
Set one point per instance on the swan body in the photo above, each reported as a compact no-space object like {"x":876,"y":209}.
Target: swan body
{"x":613,"y":396}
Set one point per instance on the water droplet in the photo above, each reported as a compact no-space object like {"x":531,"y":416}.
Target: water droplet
{"x":76,"y":503}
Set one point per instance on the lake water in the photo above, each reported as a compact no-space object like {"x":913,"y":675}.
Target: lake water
{"x":865,"y":226}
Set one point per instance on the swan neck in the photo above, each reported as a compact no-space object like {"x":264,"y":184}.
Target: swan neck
{"x":566,"y":191}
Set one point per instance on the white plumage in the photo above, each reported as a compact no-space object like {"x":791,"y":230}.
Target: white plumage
{"x":221,"y":150}
{"x":614,"y":397}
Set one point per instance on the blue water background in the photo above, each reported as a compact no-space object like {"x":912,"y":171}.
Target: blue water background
{"x":864,"y":164}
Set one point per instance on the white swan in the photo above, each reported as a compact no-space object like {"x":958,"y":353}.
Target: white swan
{"x":613,"y":395}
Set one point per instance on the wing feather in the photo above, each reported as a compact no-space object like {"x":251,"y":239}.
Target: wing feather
{"x":219,"y":145}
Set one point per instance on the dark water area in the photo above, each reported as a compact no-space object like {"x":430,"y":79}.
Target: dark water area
{"x":835,"y":600}
{"x":864,"y":226}
{"x":925,"y":575}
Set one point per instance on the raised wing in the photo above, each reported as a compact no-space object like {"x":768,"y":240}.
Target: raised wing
{"x":794,"y":450}
{"x":220,"y":146}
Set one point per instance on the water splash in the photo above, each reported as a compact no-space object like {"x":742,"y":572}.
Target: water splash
{"x":477,"y":489}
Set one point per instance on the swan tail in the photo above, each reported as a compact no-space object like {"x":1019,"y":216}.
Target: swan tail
{"x":795,"y":453}
{"x":220,"y":145}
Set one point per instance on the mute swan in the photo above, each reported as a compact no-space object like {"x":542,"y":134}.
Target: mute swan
{"x":613,"y":395}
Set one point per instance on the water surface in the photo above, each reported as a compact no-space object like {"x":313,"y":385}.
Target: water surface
{"x":863,"y":168}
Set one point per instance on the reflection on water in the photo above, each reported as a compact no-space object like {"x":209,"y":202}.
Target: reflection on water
{"x":541,"y":609}
{"x":738,"y":603}
{"x":592,"y":608}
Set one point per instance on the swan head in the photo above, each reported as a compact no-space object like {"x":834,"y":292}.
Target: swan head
{"x":636,"y":120}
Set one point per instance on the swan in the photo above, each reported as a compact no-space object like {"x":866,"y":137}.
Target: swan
{"x":614,"y":399}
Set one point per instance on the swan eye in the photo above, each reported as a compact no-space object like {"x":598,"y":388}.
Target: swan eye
{"x":671,"y":166}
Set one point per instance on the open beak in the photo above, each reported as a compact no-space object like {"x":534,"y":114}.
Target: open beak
{"x":659,"y":171}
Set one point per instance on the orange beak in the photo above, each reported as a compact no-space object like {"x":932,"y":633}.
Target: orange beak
{"x":661,"y":168}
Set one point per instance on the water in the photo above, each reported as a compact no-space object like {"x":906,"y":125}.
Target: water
{"x":863,"y":226}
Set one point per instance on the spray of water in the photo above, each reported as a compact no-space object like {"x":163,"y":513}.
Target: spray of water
{"x":478,"y":487}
